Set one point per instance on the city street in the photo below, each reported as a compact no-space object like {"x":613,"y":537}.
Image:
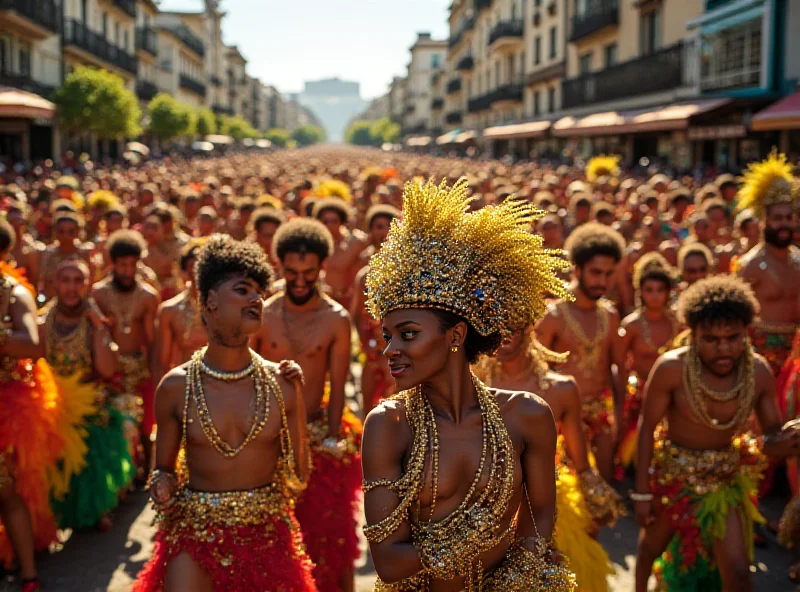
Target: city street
{"x":95,"y":562}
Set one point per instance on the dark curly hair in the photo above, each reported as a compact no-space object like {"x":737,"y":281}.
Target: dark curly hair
{"x":332,"y":204}
{"x":718,"y":299}
{"x":125,"y":243}
{"x":592,"y":239}
{"x":381,"y":211}
{"x":475,"y":344}
{"x":8,"y":237}
{"x":266,"y":215}
{"x":691,"y":249}
{"x":190,"y":251}
{"x":303,"y":235}
{"x":222,"y":258}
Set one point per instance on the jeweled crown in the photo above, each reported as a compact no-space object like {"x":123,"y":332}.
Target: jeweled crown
{"x":485,"y":266}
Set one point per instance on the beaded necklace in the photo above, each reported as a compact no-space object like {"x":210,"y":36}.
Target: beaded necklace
{"x":452,"y":546}
{"x":68,"y":353}
{"x":589,"y":350}
{"x":266,"y":385}
{"x":647,"y":336}
{"x":698,"y":394}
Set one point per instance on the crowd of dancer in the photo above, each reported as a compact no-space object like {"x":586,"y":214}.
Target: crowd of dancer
{"x":528,"y":335}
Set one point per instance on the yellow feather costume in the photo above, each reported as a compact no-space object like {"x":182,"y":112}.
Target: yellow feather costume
{"x":602,"y":166}
{"x":766,"y":184}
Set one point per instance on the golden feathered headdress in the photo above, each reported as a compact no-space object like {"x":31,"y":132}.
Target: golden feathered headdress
{"x":102,"y":199}
{"x":484,"y":266}
{"x":767,"y":183}
{"x":602,"y":166}
{"x":334,"y":188}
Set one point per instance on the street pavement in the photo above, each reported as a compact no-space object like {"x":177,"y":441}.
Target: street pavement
{"x":108,"y":562}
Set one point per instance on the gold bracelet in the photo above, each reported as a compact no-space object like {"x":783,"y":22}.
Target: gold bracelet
{"x":640,"y":497}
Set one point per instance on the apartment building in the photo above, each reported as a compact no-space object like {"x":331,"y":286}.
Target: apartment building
{"x":30,"y":62}
{"x":146,"y":51}
{"x":427,"y":56}
{"x":397,"y":99}
{"x":236,"y":80}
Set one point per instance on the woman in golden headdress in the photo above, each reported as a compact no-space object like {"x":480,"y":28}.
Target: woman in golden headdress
{"x":445,"y":285}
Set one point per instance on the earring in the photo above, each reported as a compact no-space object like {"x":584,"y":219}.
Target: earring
{"x":454,"y":349}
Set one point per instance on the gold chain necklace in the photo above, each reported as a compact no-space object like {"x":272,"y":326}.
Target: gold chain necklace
{"x":122,"y":307}
{"x":68,"y":353}
{"x":191,"y":314}
{"x":695,"y":391}
{"x":589,"y":350}
{"x":263,"y":381}
{"x":647,"y":336}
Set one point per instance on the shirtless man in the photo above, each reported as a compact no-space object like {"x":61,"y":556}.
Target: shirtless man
{"x":26,"y":251}
{"x":644,"y":335}
{"x":376,"y":383}
{"x":66,"y":229}
{"x":131,"y":306}
{"x":695,"y":263}
{"x":304,"y":325}
{"x":265,"y":223}
{"x":180,"y":327}
{"x":161,"y":256}
{"x":241,"y":426}
{"x":587,"y":328}
{"x":344,"y":262}
{"x":707,"y":393}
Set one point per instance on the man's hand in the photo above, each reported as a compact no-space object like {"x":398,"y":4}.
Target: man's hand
{"x":784,"y":443}
{"x":644,"y":514}
{"x":291,"y":371}
{"x":96,"y":317}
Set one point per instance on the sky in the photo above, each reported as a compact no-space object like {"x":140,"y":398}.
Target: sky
{"x":287,"y":42}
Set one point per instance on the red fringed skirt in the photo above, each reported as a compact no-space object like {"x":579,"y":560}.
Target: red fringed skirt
{"x":245,"y":541}
{"x":327,"y":509}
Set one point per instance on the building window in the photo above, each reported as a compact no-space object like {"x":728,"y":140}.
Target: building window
{"x":117,"y":36}
{"x":436,"y":60}
{"x":537,"y":51}
{"x":585,"y":63}
{"x":551,"y":99}
{"x":731,"y":58}
{"x":536,"y":106}
{"x":126,"y":46}
{"x":610,"y":54}
{"x":24,"y":58}
{"x":104,"y":25}
{"x":650,"y":32}
{"x":84,"y":12}
{"x":553,"y":42}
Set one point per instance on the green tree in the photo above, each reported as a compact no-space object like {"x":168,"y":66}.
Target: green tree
{"x":359,"y":134}
{"x":97,"y":101}
{"x":279,"y":137}
{"x":384,"y":130}
{"x":306,"y":135}
{"x":239,"y":128}
{"x":169,"y":118}
{"x":206,"y":122}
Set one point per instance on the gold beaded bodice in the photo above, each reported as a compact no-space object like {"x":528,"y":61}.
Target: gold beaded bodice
{"x":10,"y":368}
{"x":69,"y":353}
{"x":451,"y":547}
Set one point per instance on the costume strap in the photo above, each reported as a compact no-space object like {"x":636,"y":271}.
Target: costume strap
{"x":183,"y":469}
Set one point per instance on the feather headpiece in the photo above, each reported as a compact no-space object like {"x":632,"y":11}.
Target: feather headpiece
{"x":602,"y":166}
{"x":767,"y":183}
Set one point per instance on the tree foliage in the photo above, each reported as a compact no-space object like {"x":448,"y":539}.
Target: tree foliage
{"x":359,"y":134}
{"x":306,"y":135}
{"x":372,"y":133}
{"x":97,"y":101}
{"x":385,"y":130}
{"x":279,"y":137}
{"x":239,"y":128}
{"x":170,"y":118}
{"x":206,"y":122}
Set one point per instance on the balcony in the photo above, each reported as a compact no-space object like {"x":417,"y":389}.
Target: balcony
{"x":418,"y":128}
{"x":657,"y":72}
{"x":558,"y":70}
{"x":127,"y":6}
{"x":220,"y":110}
{"x":215,"y":80}
{"x":77,"y":35}
{"x":466,"y":64}
{"x":146,"y":40}
{"x":482,"y":5}
{"x":34,"y":18}
{"x":409,"y":108}
{"x":507,"y":93}
{"x":466,"y":25}
{"x":455,"y":39}
{"x":507,"y":35}
{"x":192,"y":85}
{"x":24,"y":81}
{"x":188,"y":38}
{"x":599,"y":15}
{"x":146,"y":90}
{"x":453,"y":86}
{"x":437,"y":103}
{"x":453,"y":118}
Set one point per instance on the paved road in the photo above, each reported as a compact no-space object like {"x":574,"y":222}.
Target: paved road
{"x":95,"y":562}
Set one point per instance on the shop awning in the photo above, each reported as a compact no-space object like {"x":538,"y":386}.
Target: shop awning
{"x":448,"y":138}
{"x":785,"y":114}
{"x":530,"y":129}
{"x":666,"y":118}
{"x":466,"y":137}
{"x":418,"y":141}
{"x":19,"y":103}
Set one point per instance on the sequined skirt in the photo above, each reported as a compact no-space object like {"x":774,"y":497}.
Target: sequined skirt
{"x":774,"y":342}
{"x":328,"y":508}
{"x":244,"y":540}
{"x":597,"y":414}
{"x":698,"y":489}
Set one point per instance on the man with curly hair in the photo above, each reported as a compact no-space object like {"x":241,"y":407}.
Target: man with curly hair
{"x":67,"y":227}
{"x":130,"y":305}
{"x":695,"y":503}
{"x":587,"y":329}
{"x":225,"y":515}
{"x":303,"y":324}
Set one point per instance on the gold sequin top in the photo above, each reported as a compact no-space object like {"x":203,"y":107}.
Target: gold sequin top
{"x":71,"y":353}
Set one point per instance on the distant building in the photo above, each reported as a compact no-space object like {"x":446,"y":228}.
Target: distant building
{"x":334,"y":102}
